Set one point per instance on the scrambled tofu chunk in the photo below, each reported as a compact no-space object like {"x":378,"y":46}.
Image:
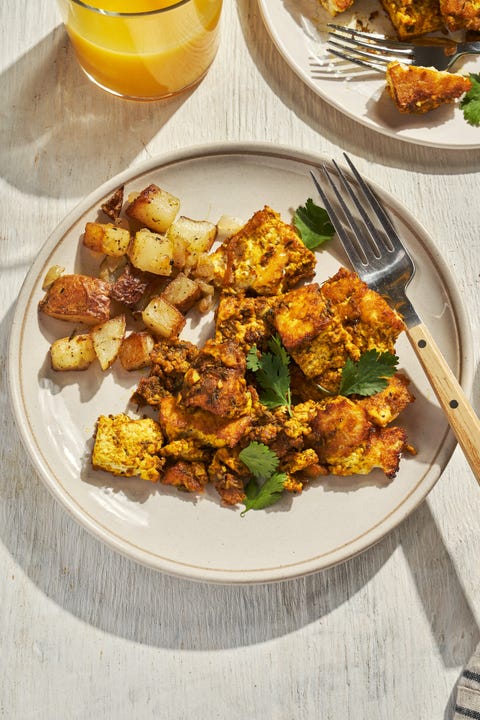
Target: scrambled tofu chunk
{"x":412,"y":18}
{"x":347,"y":443}
{"x":245,"y":320}
{"x":265,"y":257}
{"x":323,"y":326}
{"x":128,"y":447}
{"x":420,"y":89}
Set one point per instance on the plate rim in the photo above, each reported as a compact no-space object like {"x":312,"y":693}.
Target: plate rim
{"x":365,"y":122}
{"x":128,"y":549}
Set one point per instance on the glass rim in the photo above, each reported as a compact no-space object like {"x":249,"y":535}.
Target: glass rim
{"x":144,"y":13}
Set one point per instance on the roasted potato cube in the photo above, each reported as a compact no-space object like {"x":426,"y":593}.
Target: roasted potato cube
{"x":155,"y":208}
{"x":72,"y":353}
{"x":198,"y":234}
{"x":151,"y":252}
{"x":135,"y":350}
{"x":182,"y":292}
{"x":106,"y":238}
{"x":107,"y":339}
{"x":78,"y":298}
{"x":227,"y":226}
{"x":163,"y":318}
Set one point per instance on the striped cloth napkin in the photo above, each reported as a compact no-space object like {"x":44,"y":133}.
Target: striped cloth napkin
{"x":468,"y":690}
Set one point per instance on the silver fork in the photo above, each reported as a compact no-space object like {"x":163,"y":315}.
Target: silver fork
{"x":375,"y":51}
{"x":382,"y":261}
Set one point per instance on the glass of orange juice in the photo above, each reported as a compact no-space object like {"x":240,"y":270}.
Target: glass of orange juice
{"x":143,"y":49}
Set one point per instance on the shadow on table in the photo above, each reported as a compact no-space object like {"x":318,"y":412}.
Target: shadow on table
{"x":118,"y":596}
{"x":327,"y":121}
{"x":54,"y":123}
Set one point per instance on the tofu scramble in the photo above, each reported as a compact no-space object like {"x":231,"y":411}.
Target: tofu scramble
{"x":203,"y":404}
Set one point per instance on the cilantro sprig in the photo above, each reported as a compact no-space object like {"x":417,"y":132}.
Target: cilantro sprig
{"x":470,"y":103}
{"x":369,"y":375}
{"x":272,"y":374}
{"x":267,"y":485}
{"x":313,"y":224}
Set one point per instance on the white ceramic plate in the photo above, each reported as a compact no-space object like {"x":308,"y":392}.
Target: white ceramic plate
{"x":297,"y":28}
{"x":177,"y":532}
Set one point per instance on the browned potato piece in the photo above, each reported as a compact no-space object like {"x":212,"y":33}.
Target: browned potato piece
{"x":135,"y":350}
{"x":107,"y":339}
{"x":182,"y":292}
{"x":198,"y":235}
{"x":163,"y":318}
{"x":72,"y":353}
{"x":106,"y":238}
{"x":151,"y":252}
{"x":78,"y":298}
{"x":155,"y":208}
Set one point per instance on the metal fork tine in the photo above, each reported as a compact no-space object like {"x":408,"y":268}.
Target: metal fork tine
{"x":353,"y":52}
{"x":351,"y":42}
{"x":376,"y":206}
{"x":363,"y":63}
{"x":374,"y":39}
{"x":353,"y":250}
{"x":376,"y":237}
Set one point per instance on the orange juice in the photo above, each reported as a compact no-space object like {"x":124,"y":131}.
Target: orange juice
{"x":143,"y":49}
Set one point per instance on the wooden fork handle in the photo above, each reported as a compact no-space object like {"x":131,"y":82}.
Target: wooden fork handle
{"x":460,"y":414}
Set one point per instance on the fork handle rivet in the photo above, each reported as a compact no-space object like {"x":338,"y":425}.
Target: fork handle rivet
{"x":453,"y":404}
{"x":422,"y":343}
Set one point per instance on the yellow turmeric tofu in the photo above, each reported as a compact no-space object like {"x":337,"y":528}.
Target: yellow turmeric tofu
{"x":179,"y":422}
{"x":301,"y":315}
{"x":412,"y":18}
{"x":384,"y":407}
{"x":347,"y":443}
{"x":322,"y":326}
{"x":419,"y":89}
{"x":245,"y":320}
{"x":128,"y":447}
{"x":265,"y":257}
{"x":461,"y":14}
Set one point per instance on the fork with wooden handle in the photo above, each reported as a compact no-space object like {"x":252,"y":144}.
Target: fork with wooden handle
{"x":382,"y":261}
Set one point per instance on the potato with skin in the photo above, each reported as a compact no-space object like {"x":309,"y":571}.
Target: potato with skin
{"x":151,"y":252}
{"x":134,"y":353}
{"x":78,"y":298}
{"x":155,"y":208}
{"x":107,"y":338}
{"x":72,"y":353}
{"x":162,"y":318}
{"x":106,"y":238}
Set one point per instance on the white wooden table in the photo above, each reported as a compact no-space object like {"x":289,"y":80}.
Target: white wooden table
{"x":84,"y":632}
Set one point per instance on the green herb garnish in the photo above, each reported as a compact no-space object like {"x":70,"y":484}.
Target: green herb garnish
{"x":368,"y":375}
{"x":272,"y":374}
{"x":266,"y":486}
{"x":470,"y":103}
{"x":313,"y":224}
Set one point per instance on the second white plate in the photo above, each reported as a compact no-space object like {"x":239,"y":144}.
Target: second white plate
{"x":298,"y":29}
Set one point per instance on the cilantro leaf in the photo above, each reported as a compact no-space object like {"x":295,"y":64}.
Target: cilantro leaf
{"x":260,"y":460}
{"x":470,"y":103}
{"x":266,"y":486}
{"x":267,"y":494}
{"x":313,"y":224}
{"x":368,"y":375}
{"x":272,"y":374}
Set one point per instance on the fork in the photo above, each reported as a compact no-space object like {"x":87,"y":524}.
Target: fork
{"x":375,"y":51}
{"x":382,"y":261}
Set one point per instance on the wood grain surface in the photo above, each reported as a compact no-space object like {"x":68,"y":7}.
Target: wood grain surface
{"x":86,"y":633}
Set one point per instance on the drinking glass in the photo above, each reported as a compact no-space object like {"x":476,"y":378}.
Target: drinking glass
{"x":143,"y":49}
